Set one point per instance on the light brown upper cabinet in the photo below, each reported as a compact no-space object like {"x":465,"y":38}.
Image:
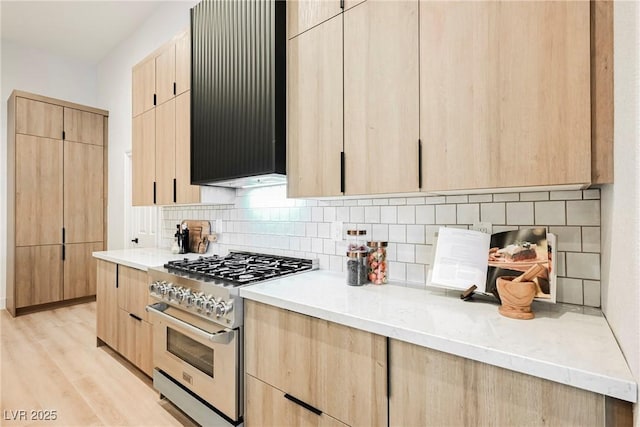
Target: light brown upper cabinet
{"x":161,"y":136}
{"x":55,"y":199}
{"x":381,"y":97}
{"x":305,"y":14}
{"x":143,"y":86}
{"x":314,"y":139}
{"x":505,"y":94}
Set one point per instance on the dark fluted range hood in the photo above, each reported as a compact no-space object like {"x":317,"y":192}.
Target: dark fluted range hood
{"x":238,"y":92}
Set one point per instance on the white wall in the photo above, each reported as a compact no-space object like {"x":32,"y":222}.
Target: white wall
{"x":36,"y":71}
{"x":621,"y":201}
{"x":114,"y":94}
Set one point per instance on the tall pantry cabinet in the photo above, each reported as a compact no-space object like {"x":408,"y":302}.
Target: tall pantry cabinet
{"x":56,"y":200}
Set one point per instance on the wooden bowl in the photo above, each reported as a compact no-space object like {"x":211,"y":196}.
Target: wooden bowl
{"x":516,"y":298}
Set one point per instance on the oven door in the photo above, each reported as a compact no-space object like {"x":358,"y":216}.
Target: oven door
{"x":199,"y":354}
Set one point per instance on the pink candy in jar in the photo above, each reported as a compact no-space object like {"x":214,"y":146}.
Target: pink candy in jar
{"x":377,"y":260}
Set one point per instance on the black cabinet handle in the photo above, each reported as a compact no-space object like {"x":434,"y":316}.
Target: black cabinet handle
{"x":342,"y":171}
{"x":303,"y":404}
{"x":341,"y":4}
{"x":63,"y":135}
{"x":174,"y":88}
{"x":175,"y":190}
{"x":135,"y":240}
{"x":419,"y":163}
{"x":63,"y":235}
{"x":139,"y":319}
{"x":64,"y":252}
{"x":154,"y":99}
{"x":154,"y":192}
{"x":117,"y":275}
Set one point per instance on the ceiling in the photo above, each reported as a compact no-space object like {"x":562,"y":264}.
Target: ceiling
{"x":84,"y":30}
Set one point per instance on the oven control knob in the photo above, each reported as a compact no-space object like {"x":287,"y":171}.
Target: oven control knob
{"x":153,"y":287}
{"x":200,"y":300}
{"x":223,"y":308}
{"x":209,"y":305}
{"x":181,"y":294}
{"x":189,"y":298}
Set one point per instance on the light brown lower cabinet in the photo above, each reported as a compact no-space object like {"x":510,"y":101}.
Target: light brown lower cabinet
{"x":431,"y":388}
{"x":121,"y":317}
{"x":38,"y":275}
{"x":337,"y":370}
{"x":268,"y":406}
{"x":80,"y":269}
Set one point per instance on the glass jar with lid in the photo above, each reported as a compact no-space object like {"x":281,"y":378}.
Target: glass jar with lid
{"x":356,"y":268}
{"x":378,"y":271}
{"x":356,"y":240}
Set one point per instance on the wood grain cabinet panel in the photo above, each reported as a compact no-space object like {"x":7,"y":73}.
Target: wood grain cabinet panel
{"x":143,"y":86}
{"x":315,"y":123}
{"x":267,"y":406}
{"x":185,"y":192}
{"x":381,"y":99}
{"x":306,"y":357}
{"x":165,"y":152}
{"x":183,"y":63}
{"x":133,"y":291}
{"x":305,"y":14}
{"x":83,"y":192}
{"x":431,"y":388}
{"x":134,"y":341}
{"x":499,"y":107}
{"x":107,"y":303}
{"x":83,"y":126}
{"x":143,"y":159}
{"x":165,"y":74}
{"x":38,"y":190}
{"x":38,"y":275}
{"x":38,"y":118}
{"x":80,"y":270}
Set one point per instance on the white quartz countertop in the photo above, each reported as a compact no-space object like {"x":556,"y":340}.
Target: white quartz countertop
{"x":142,"y":258}
{"x":565,"y":344}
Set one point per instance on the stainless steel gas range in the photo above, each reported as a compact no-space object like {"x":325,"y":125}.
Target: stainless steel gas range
{"x":198,"y":330}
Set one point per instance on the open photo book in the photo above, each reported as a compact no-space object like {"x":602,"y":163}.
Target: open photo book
{"x":463,"y":258}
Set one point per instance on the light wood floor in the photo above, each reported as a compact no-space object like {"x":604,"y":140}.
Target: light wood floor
{"x":50,"y":362}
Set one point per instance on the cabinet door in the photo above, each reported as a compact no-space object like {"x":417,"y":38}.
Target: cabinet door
{"x":499,"y":106}
{"x":315,"y":119}
{"x":80,"y":270}
{"x":305,"y":357}
{"x":83,"y":192}
{"x":143,"y":86}
{"x":183,"y":63}
{"x":133,"y":291}
{"x":430,"y":388}
{"x":267,"y":406}
{"x":185,"y":192}
{"x":165,"y":74}
{"x":304,"y":14}
{"x":134,"y":341}
{"x":144,"y":159}
{"x":39,"y":193}
{"x":165,"y":152}
{"x":38,"y":275}
{"x":107,"y":302}
{"x":381,"y":97}
{"x":38,"y":118}
{"x":83,"y":126}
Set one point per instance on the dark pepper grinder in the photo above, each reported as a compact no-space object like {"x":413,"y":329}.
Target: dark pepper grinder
{"x":183,"y":240}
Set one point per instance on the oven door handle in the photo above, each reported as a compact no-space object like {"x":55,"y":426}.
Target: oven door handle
{"x":223,"y":337}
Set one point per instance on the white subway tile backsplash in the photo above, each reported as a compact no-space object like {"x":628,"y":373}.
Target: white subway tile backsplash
{"x":406,"y":215}
{"x":506,"y":197}
{"x":445,"y":214}
{"x":550,"y":213}
{"x":591,"y":293}
{"x":533,"y":197}
{"x":493,"y":213}
{"x":583,"y":265}
{"x":570,"y":290}
{"x":380,"y":233}
{"x":468,"y":214}
{"x":584,"y":212}
{"x":397,"y":233}
{"x":566,"y":195}
{"x":591,"y":239}
{"x":356,"y":214}
{"x":480,"y":198}
{"x":569,"y":238}
{"x":372,"y":214}
{"x":389,"y":214}
{"x":520,"y":213}
{"x":271,"y":223}
{"x":425,"y":214}
{"x":415,"y":234}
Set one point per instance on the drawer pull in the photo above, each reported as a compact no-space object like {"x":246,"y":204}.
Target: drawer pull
{"x":135,"y":317}
{"x":303,"y":404}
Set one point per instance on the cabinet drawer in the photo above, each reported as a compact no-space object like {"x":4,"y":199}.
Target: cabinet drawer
{"x":307,"y":357}
{"x":135,"y":341}
{"x":133,"y":292}
{"x":267,"y":406}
